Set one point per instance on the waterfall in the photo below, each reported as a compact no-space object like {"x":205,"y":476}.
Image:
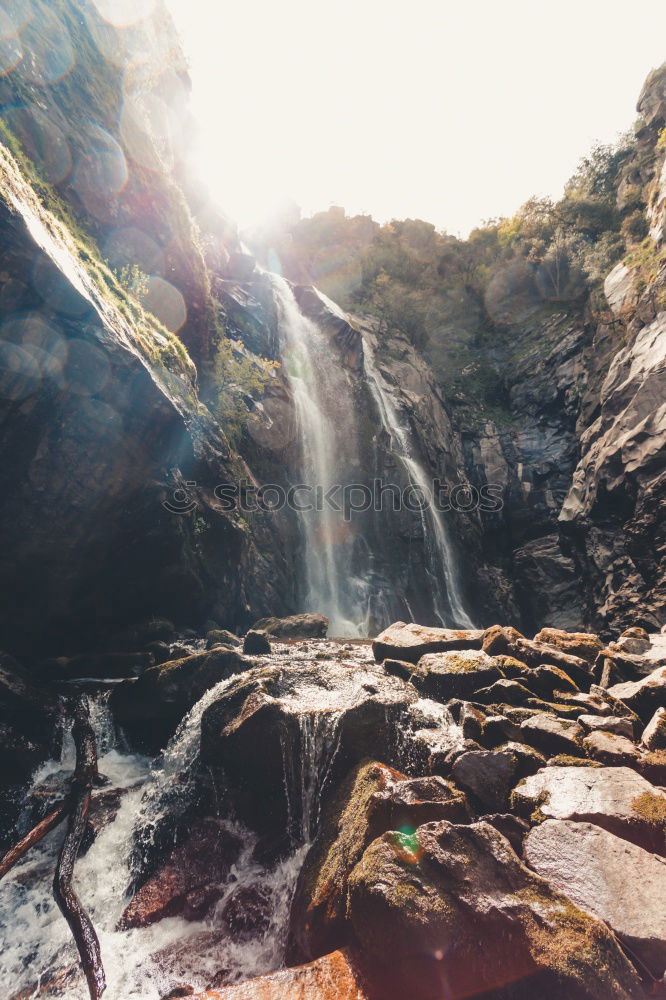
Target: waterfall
{"x":325,"y":413}
{"x":441,"y":564}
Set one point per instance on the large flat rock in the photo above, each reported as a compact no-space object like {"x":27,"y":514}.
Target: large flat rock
{"x":410,"y":641}
{"x":618,"y":882}
{"x":615,"y":798}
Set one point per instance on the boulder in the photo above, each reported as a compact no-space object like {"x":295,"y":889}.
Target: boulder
{"x":456,"y":674}
{"x":654,"y":734}
{"x":614,"y":798}
{"x":551,"y":735}
{"x":338,"y":976}
{"x":410,"y":642}
{"x":607,"y":724}
{"x":546,"y":680}
{"x":611,"y":749}
{"x":221,"y":637}
{"x":488,"y":776}
{"x":256,"y":643}
{"x":188,"y":883}
{"x":450,"y":911}
{"x":283,"y":736}
{"x":307,"y":626}
{"x":151,"y":707}
{"x":643,"y":696}
{"x":586,"y":645}
{"x":633,"y":640}
{"x":616,"y":881}
{"x":499,"y":641}
{"x":373,"y":799}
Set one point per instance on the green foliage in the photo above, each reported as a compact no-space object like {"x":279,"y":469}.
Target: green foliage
{"x":239,"y":378}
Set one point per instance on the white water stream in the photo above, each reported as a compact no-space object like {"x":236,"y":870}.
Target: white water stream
{"x":441,"y":562}
{"x":324,"y":411}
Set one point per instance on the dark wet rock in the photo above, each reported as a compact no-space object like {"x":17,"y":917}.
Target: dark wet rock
{"x":101,"y":665}
{"x":29,"y":724}
{"x":619,"y":883}
{"x":373,"y":799}
{"x":159,"y":651}
{"x":586,"y":645}
{"x":654,"y":734}
{"x":611,"y":749}
{"x":551,"y":735}
{"x":450,"y":910}
{"x":221,"y":637}
{"x":615,"y":798}
{"x":181,"y":990}
{"x":402,"y":641}
{"x":256,"y":643}
{"x":454,"y":674}
{"x":306,"y":626}
{"x":607,"y":724}
{"x":510,"y":826}
{"x":247,"y":911}
{"x":201,"y":862}
{"x":138,"y":636}
{"x":151,"y":707}
{"x":278,"y":729}
{"x":643,"y":696}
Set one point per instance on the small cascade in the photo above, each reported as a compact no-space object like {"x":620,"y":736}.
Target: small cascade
{"x":306,"y":771}
{"x":324,"y":411}
{"x":441,"y":562}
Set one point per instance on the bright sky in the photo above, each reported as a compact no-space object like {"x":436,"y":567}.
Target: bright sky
{"x":453,"y":112}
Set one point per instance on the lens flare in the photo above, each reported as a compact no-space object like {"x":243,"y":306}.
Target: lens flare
{"x":130,"y":247}
{"x":145,"y":127}
{"x":48,"y":54}
{"x":87,"y":370}
{"x":42,"y":141}
{"x":164,"y":301}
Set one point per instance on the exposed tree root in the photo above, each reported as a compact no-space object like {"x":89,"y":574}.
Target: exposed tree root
{"x":45,"y":826}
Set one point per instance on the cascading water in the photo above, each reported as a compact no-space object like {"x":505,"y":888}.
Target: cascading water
{"x":142,"y":963}
{"x":441,"y":564}
{"x":324,"y":411}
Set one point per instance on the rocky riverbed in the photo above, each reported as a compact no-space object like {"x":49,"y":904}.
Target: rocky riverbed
{"x":436,"y":812}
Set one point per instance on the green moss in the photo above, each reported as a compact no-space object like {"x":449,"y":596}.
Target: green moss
{"x":566,"y":760}
{"x":651,"y":808}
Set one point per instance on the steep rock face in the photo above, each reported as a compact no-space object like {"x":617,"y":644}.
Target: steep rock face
{"x":100,"y":424}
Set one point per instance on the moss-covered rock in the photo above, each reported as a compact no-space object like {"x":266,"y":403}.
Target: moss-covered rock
{"x":451,"y":911}
{"x":373,"y":799}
